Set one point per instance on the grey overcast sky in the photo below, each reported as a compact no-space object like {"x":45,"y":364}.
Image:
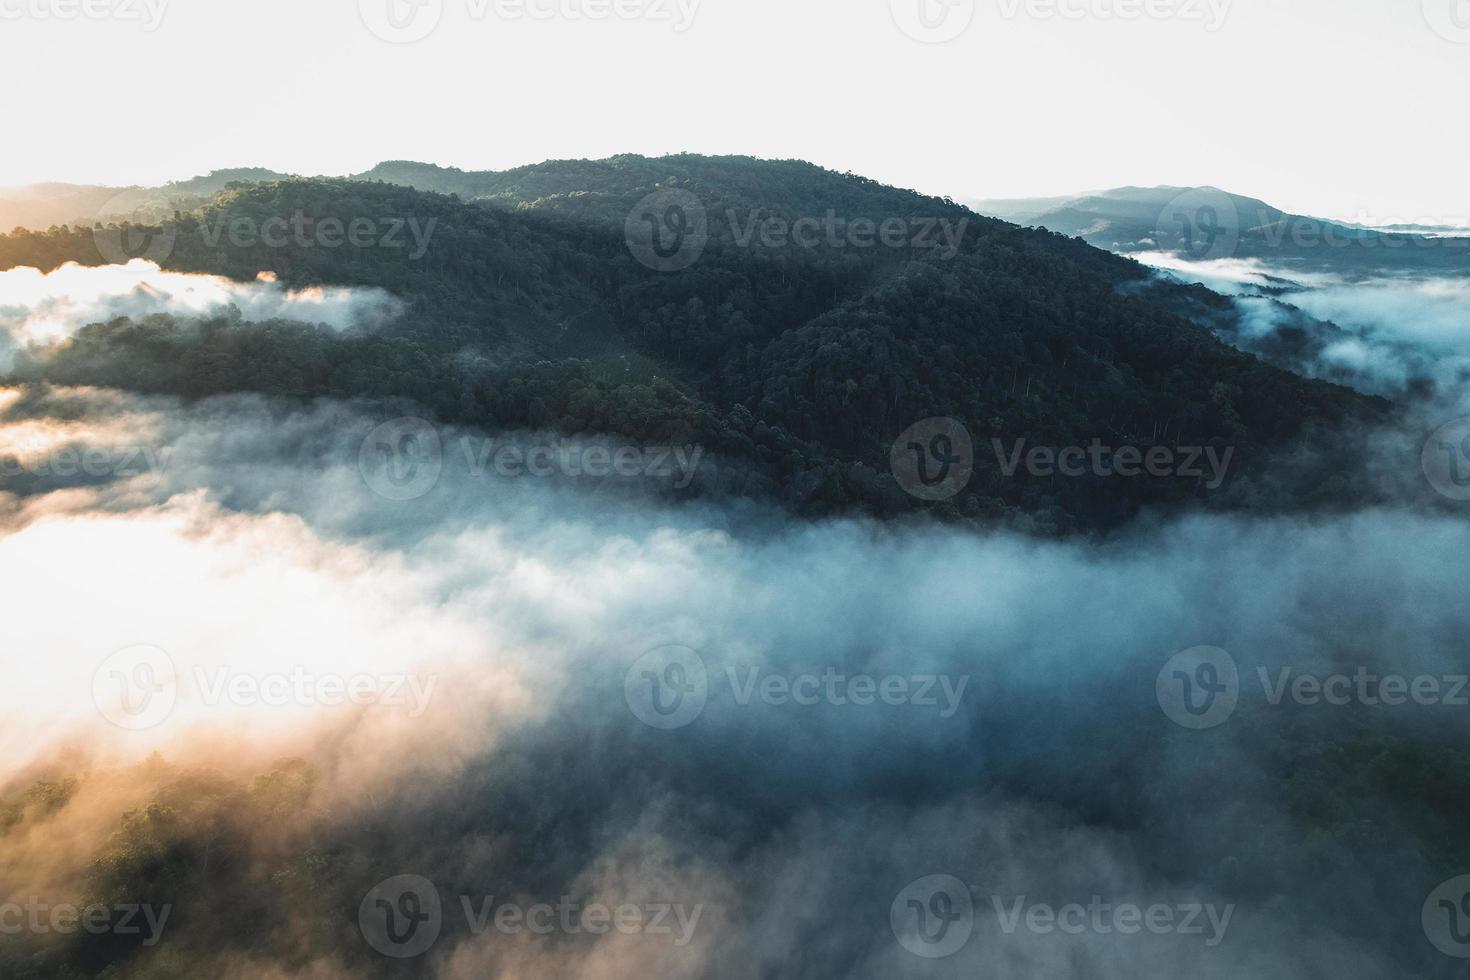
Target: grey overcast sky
{"x":1337,"y":107}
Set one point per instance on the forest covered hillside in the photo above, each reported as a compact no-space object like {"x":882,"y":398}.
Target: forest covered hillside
{"x":797,"y":359}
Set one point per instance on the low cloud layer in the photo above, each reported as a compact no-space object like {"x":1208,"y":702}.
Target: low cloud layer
{"x":531,"y":773}
{"x":262,"y":688}
{"x":1395,"y":334}
{"x":43,"y":308}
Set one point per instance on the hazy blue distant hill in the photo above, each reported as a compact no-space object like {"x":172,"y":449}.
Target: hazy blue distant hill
{"x":1207,"y":223}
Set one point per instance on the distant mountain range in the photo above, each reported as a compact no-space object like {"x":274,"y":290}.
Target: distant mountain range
{"x":1206,"y":223}
{"x":1189,"y":223}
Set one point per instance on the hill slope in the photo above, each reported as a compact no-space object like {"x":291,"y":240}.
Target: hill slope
{"x":796,"y":366}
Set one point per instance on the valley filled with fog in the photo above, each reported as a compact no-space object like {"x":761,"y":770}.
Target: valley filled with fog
{"x":499,"y":622}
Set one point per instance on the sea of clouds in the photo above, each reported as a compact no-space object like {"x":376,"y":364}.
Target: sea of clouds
{"x":249,"y":538}
{"x":1395,"y":331}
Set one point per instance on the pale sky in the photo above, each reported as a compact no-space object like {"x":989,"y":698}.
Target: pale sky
{"x":1336,"y":107}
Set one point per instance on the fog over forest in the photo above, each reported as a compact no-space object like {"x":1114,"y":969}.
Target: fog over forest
{"x":512,"y":759}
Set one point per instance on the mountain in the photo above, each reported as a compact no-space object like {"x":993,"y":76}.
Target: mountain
{"x":1022,"y":210}
{"x":1207,"y":223}
{"x":1132,"y":208}
{"x":1191,"y":223}
{"x":795,"y":365}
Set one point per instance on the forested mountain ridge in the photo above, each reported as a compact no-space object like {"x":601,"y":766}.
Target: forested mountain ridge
{"x":731,"y":189}
{"x":795,"y":367}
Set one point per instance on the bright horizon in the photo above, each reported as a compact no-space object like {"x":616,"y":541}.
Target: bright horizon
{"x":1011,"y":107}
